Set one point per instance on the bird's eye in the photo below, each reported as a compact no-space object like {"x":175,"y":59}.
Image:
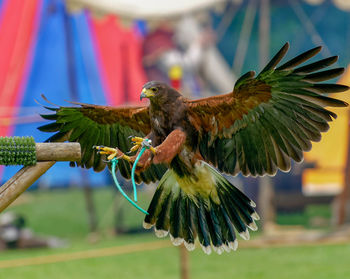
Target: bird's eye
{"x":154,"y":89}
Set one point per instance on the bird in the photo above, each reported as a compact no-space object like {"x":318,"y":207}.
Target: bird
{"x":266,"y":121}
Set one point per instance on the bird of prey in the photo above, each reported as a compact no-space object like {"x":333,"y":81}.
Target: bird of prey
{"x":256,"y":129}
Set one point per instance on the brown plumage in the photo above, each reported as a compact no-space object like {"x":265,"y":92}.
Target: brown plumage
{"x":256,"y":129}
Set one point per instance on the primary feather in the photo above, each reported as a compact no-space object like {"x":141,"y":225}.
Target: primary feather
{"x":268,"y":119}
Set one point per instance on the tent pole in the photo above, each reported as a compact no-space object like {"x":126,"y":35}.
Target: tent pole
{"x":264,"y":33}
{"x":309,"y":26}
{"x":73,"y":93}
{"x":266,"y":187}
{"x":244,"y":37}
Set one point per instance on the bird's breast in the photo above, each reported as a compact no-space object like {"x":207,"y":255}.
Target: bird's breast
{"x":156,"y":123}
{"x":159,"y":127}
{"x":167,"y":118}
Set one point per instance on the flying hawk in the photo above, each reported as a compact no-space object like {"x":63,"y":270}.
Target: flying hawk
{"x":256,"y":129}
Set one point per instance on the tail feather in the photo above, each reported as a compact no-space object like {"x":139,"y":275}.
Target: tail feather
{"x":155,"y":203}
{"x":240,"y":206}
{"x":191,"y":219}
{"x":234,"y":217}
{"x":214,"y":228}
{"x":182,"y":216}
{"x":163,"y":221}
{"x":241,"y":211}
{"x":175,"y":222}
{"x":203,"y":230}
{"x":230,"y":235}
{"x":224,"y":227}
{"x":205,"y":206}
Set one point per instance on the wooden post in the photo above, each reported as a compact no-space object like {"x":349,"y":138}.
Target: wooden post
{"x":90,"y":205}
{"x":47,"y":155}
{"x":184,"y":263}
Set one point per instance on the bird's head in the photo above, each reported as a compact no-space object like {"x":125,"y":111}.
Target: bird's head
{"x":158,"y":92}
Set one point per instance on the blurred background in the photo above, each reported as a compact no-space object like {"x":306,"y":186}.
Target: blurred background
{"x":102,"y":52}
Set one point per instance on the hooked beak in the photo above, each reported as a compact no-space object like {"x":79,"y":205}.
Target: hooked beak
{"x":146,"y":93}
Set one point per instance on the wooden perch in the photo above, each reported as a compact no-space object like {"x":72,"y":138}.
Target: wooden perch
{"x":47,"y":155}
{"x":58,"y":151}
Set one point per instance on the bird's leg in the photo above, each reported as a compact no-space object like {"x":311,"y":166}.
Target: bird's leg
{"x":139,"y":142}
{"x":164,"y":153}
{"x":144,"y":160}
{"x":112,"y":152}
{"x":170,"y":147}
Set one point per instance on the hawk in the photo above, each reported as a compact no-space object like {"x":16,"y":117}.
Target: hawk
{"x":256,"y":129}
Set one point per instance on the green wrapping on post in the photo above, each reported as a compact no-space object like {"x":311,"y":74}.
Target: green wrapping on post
{"x":17,"y":151}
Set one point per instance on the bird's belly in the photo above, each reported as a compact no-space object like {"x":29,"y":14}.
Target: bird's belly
{"x":184,"y":163}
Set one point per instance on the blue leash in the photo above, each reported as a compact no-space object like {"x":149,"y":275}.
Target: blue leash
{"x":114,"y":164}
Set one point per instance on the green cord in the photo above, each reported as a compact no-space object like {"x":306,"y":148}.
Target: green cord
{"x":114,"y":163}
{"x":133,"y":172}
{"x":17,"y":151}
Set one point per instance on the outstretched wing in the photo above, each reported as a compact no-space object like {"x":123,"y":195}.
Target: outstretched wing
{"x":101,"y":125}
{"x":267,"y":119}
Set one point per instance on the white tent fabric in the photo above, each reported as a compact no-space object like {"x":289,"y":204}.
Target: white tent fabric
{"x":341,"y":4}
{"x":215,"y":69}
{"x":162,"y":9}
{"x":148,"y":9}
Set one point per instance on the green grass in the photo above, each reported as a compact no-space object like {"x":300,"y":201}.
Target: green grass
{"x":62,"y":213}
{"x":319,"y":262}
{"x":304,"y":218}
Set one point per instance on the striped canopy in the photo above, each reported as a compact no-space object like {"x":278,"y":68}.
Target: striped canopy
{"x":46,"y":50}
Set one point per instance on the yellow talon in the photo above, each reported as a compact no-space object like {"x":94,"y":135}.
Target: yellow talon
{"x":112,"y":156}
{"x":112,"y":152}
{"x":126,"y":157}
{"x":137,"y":144}
{"x":153,"y":150}
{"x":137,"y":140}
{"x":106,"y":150}
{"x":135,"y":147}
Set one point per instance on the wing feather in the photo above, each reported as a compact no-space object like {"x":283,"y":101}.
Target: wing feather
{"x":269,"y":119}
{"x":101,"y":125}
